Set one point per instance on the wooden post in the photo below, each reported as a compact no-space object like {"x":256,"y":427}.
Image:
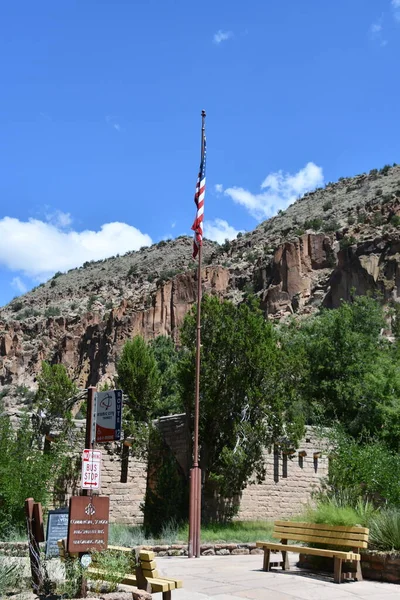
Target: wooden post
{"x":33,"y":543}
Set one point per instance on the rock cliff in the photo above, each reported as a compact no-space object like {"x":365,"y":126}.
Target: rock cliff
{"x":330,"y":244}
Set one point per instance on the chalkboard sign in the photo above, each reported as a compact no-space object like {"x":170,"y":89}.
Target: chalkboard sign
{"x":57,"y":529}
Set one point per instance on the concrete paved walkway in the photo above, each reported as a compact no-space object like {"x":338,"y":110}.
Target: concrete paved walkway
{"x":238,"y":577}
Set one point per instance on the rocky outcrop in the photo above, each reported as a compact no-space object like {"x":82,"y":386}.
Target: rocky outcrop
{"x":296,"y":270}
{"x":369,"y":267}
{"x":89,"y":345}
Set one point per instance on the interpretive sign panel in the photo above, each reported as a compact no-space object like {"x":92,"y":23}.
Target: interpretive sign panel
{"x":88,"y":523}
{"x":91,"y":469}
{"x":57,"y":529}
{"x":108,"y":416}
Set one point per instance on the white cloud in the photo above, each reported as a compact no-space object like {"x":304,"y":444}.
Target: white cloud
{"x":278,"y":191}
{"x":219,"y":188}
{"x":222,"y":36}
{"x":39,"y":249}
{"x":59,"y":219}
{"x":376,"y":28}
{"x":219,"y":230}
{"x":19,"y":285}
{"x":376,"y":32}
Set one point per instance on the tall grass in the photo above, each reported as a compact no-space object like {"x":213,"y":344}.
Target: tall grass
{"x":338,"y":510}
{"x":236,"y":532}
{"x":385,"y":530}
{"x":10,"y":577}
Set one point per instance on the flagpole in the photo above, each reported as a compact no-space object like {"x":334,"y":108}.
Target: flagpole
{"x":195,"y":472}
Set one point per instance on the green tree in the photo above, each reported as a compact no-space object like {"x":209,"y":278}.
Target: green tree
{"x":167,"y":358}
{"x":25,"y":471}
{"x":353,"y":373}
{"x":53,"y":401}
{"x":55,"y":390}
{"x":139,"y":378}
{"x":242,"y":402}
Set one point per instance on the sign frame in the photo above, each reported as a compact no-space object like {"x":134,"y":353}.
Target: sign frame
{"x":53,"y":513}
{"x":108,"y":418}
{"x":88,"y":524}
{"x":91,"y":464}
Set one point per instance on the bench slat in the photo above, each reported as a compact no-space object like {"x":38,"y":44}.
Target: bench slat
{"x":161,"y":584}
{"x":177,"y":582}
{"x":146,"y":555}
{"x":316,"y":539}
{"x":340,"y":535}
{"x":152,"y":573}
{"x":149,"y":565}
{"x":321,"y":526}
{"x":126,"y":579}
{"x":316,"y":551}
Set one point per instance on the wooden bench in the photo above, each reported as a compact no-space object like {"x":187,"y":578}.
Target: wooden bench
{"x":146,"y":576}
{"x":322,"y":535}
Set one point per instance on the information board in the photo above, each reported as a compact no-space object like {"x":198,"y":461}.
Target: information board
{"x":57,"y":529}
{"x":108,"y":416}
{"x":88,"y":523}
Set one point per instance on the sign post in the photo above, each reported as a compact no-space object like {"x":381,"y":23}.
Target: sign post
{"x":34,"y":522}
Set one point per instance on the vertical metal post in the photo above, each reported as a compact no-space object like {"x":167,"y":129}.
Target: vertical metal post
{"x":195,"y":472}
{"x":90,"y":433}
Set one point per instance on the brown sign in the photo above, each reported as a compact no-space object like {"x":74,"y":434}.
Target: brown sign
{"x":88,"y":523}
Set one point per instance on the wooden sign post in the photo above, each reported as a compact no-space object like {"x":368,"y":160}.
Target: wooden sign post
{"x":34,"y":523}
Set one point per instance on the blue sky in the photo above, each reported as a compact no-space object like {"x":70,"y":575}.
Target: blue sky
{"x":100,"y":117}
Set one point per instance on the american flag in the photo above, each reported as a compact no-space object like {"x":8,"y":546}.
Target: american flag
{"x":199,"y":201}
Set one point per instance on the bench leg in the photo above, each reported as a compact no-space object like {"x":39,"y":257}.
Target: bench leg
{"x":285,"y":561}
{"x":267,"y":554}
{"x":167,"y":595}
{"x":337,"y":575}
{"x":358,"y":573}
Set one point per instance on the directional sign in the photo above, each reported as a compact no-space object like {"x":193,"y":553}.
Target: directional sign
{"x":108,"y":416}
{"x":91,"y":466}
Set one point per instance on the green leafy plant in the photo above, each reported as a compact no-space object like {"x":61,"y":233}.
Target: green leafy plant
{"x":331,"y":226}
{"x":26,"y":471}
{"x":314,"y":224}
{"x":139,"y":377}
{"x":346,"y":242}
{"x":240,"y":370}
{"x":10,"y":577}
{"x":395,"y":221}
{"x":166,"y":498}
{"x":327,"y":205}
{"x":385,"y":530}
{"x":52,"y":311}
{"x":114,"y":565}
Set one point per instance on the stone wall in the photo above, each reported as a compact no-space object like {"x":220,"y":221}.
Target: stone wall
{"x":124,"y":480}
{"x":290,"y":479}
{"x":289,"y":483}
{"x":288,"y":486}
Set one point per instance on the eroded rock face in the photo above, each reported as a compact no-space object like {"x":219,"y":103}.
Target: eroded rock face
{"x":292,"y":272}
{"x":365,"y":268}
{"x":89,"y":345}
